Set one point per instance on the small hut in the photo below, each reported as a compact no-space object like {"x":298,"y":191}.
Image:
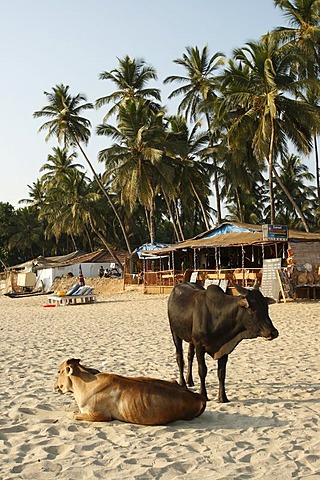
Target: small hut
{"x":242,"y":252}
{"x":143,"y":259}
{"x":45,"y":270}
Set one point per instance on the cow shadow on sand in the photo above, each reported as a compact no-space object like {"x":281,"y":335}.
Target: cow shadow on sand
{"x":107,"y":301}
{"x":217,"y":421}
{"x":229,"y":421}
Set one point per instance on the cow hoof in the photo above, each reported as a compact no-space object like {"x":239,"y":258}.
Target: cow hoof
{"x":223,"y":400}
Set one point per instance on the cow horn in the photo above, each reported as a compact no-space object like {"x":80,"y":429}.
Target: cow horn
{"x":72,"y":361}
{"x":243,"y":291}
{"x":256,"y":285}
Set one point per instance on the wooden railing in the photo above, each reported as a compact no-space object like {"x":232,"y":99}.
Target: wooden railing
{"x":168,"y":278}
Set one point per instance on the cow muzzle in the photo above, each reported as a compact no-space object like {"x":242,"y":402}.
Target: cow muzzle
{"x":272,"y":335}
{"x":58,"y":388}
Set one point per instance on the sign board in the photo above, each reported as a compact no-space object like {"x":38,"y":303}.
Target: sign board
{"x":193,"y":278}
{"x":286,"y":285}
{"x":270,"y":284}
{"x":277,"y":233}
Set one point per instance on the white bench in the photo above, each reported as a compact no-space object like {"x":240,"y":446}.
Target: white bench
{"x":221,"y":283}
{"x":72,"y":299}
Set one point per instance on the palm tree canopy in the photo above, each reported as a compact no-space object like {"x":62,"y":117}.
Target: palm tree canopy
{"x":136,"y":153}
{"x":64,"y":111}
{"x":303,"y":32}
{"x":130,"y":80}
{"x":71,"y":129}
{"x":36,"y":194}
{"x":199,"y":83}
{"x":59,"y":163}
{"x":303,"y":16}
{"x":256,"y":89}
{"x":26,"y":230}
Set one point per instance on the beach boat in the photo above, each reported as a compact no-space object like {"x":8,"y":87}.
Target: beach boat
{"x":25,"y":294}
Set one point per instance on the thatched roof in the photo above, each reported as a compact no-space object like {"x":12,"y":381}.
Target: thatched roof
{"x":233,"y":235}
{"x":99,"y":256}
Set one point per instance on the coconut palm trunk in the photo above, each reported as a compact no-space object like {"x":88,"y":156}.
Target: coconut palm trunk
{"x":238,"y":204}
{"x":105,"y":193}
{"x":215,"y":180}
{"x":290,"y":198}
{"x":317,"y":168}
{"x":73,"y":242}
{"x":201,"y":206}
{"x":152,"y":221}
{"x":104,"y":241}
{"x":178,"y":220}
{"x":171,"y":216}
{"x":270,"y":170}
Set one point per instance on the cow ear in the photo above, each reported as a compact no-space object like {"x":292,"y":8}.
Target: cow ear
{"x":69,"y":371}
{"x":270,"y":300}
{"x":244,"y":302}
{"x":71,"y":364}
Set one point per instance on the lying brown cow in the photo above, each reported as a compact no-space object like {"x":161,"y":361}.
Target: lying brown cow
{"x":103,"y":397}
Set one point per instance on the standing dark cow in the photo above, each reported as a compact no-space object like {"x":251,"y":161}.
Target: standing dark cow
{"x":213,"y":322}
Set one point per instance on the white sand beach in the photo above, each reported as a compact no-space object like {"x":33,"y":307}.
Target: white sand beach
{"x":269,"y":430}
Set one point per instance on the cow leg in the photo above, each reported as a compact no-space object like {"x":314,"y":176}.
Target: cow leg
{"x":202,"y":369}
{"x":190,"y":382}
{"x":179,"y":357}
{"x":222,"y":364}
{"x":93,"y":417}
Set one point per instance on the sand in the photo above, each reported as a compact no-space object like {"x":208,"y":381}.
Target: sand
{"x":269,"y":430}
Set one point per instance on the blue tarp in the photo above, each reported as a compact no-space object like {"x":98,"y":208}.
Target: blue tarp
{"x":227,"y":228}
{"x":142,"y":251}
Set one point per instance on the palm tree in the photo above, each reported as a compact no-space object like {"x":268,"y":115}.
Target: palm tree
{"x":7,"y":214}
{"x":294,"y":176}
{"x":187,"y":148}
{"x":135,"y":159}
{"x":255,"y":90}
{"x":199,"y":87}
{"x":36,"y":194}
{"x":303,"y":37}
{"x":26,"y":232}
{"x":199,"y":84}
{"x":131,"y":80}
{"x":303,"y":34}
{"x":70,"y":128}
{"x":243,"y":183}
{"x":64,"y":110}
{"x":249,"y":206}
{"x":59,"y":163}
{"x":71,"y":208}
{"x":312,"y":97}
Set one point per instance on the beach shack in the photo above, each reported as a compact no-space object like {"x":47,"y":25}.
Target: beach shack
{"x":285,"y":262}
{"x":143,"y":259}
{"x":45,"y":270}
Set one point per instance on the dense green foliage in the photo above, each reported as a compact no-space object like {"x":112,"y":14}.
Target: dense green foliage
{"x":242,"y":124}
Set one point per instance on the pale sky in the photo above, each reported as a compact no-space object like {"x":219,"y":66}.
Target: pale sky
{"x":48,"y":42}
